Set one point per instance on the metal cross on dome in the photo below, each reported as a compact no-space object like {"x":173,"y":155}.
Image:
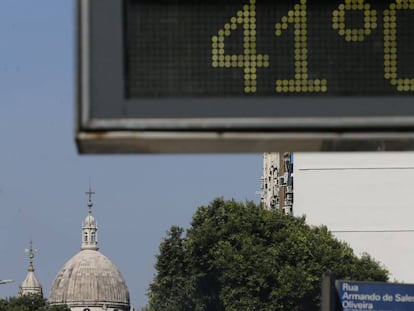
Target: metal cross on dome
{"x":90,"y":193}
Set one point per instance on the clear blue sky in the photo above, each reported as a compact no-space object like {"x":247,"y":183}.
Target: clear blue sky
{"x":43,"y":179}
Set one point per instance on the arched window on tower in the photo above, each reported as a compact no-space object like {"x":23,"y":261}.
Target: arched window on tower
{"x":93,"y":236}
{"x":85,"y":237}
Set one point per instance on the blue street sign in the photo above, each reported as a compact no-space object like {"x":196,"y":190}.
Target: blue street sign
{"x":361,"y":296}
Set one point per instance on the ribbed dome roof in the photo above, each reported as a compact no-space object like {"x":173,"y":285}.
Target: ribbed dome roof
{"x":89,"y":278}
{"x":30,"y":285}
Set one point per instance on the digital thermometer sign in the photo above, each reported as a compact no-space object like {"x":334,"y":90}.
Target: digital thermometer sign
{"x":245,"y":75}
{"x":269,"y":48}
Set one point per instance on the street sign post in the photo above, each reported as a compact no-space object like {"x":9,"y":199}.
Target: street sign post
{"x":245,"y":75}
{"x":360,"y":296}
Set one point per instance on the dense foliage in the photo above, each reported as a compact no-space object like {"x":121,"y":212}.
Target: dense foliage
{"x":29,"y":303}
{"x":239,"y":256}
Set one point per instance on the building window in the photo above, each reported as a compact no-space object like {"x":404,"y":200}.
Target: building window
{"x":85,"y":238}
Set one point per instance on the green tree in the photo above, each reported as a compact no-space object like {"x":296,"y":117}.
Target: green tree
{"x":29,"y":303}
{"x":240,"y":257}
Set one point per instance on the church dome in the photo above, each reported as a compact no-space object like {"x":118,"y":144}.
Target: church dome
{"x":90,"y":279}
{"x":30,"y":285}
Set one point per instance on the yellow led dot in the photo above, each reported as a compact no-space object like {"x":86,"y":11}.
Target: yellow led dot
{"x":285,"y":82}
{"x":227,"y":64}
{"x":266,"y":64}
{"x":253,"y":89}
{"x":227,"y":32}
{"x":221,"y":64}
{"x":278,"y":82}
{"x":279,"y":89}
{"x":247,"y":89}
{"x":239,"y":64}
{"x":324,"y":88}
{"x":214,"y":64}
{"x":214,"y":58}
{"x":285,"y":89}
{"x":253,"y":76}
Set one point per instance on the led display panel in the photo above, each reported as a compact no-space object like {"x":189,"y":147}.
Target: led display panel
{"x":209,"y":48}
{"x":245,"y":75}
